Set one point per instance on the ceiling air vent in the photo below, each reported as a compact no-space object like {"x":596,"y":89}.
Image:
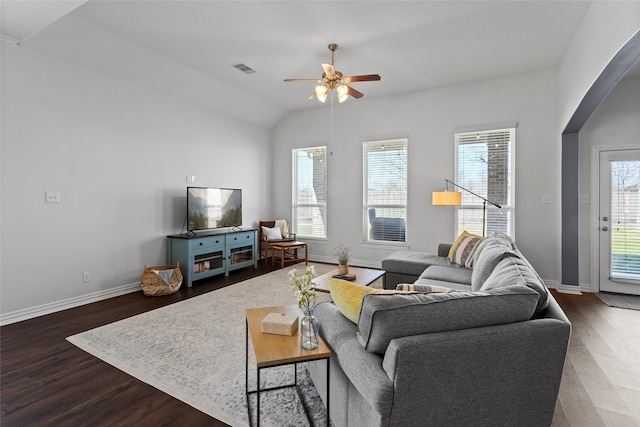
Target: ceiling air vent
{"x":244,"y":68}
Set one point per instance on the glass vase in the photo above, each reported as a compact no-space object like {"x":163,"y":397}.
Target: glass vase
{"x":309,"y":331}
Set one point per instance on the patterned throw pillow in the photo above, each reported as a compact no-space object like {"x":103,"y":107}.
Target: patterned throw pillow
{"x":347,"y":296}
{"x":463,"y":248}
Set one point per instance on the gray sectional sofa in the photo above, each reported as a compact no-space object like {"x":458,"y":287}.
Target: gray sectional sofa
{"x":490,"y":352}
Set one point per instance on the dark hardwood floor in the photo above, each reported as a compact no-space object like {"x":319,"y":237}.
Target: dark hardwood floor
{"x":46,"y":381}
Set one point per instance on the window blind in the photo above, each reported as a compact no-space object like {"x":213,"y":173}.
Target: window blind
{"x":385,"y":190}
{"x":625,"y":228}
{"x":485,"y":165}
{"x":309,"y":185}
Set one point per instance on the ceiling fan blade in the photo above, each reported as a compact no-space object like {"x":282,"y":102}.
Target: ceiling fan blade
{"x":329,"y":70}
{"x":313,"y":95}
{"x":303,"y":80}
{"x":362,"y":78}
{"x":354,"y":92}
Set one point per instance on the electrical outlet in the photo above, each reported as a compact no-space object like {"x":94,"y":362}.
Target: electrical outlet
{"x":86,"y":277}
{"x":547,"y":199}
{"x":52,"y":197}
{"x":191,"y":179}
{"x":583,"y":199}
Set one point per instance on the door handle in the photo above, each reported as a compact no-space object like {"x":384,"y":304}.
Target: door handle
{"x":605,"y":219}
{"x":605,"y":228}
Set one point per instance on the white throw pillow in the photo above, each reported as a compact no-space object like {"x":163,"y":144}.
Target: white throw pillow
{"x":272,"y":233}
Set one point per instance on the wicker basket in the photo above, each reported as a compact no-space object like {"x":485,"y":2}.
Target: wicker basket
{"x":154,"y":285}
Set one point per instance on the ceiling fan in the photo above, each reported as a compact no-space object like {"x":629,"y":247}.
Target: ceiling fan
{"x":334,"y":80}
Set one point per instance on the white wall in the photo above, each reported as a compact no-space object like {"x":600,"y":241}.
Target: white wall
{"x":615,"y":124}
{"x":430,"y":118}
{"x":605,"y":29}
{"x":118,"y":154}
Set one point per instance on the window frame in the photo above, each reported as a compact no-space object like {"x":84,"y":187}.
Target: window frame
{"x":404,"y":141}
{"x":295,"y":206}
{"x":509,"y":207}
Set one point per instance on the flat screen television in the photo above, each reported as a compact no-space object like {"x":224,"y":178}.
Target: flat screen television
{"x":209,"y":208}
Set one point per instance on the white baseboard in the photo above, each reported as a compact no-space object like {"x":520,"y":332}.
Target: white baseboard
{"x":565,"y":289}
{"x":52,"y":307}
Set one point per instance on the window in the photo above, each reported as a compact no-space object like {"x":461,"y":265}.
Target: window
{"x":385,"y":190}
{"x":485,"y":165}
{"x":625,"y":239}
{"x":309,"y":198}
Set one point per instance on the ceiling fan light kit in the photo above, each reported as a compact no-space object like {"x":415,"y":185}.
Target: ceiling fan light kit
{"x":335,"y":80}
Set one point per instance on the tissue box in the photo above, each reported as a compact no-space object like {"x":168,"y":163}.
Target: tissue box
{"x":279,"y":324}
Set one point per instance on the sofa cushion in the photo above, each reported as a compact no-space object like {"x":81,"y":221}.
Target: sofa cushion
{"x":488,"y":255}
{"x":347,"y":296}
{"x":504,"y":240}
{"x":412,"y":263}
{"x":462,"y":250}
{"x":385,"y":317}
{"x":514,"y":271}
{"x":448,"y":274}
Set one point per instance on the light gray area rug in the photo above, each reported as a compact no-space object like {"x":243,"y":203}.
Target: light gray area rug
{"x":630,"y":302}
{"x":194,"y":350}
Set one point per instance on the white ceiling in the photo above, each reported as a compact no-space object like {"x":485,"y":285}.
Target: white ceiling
{"x":187,"y":48}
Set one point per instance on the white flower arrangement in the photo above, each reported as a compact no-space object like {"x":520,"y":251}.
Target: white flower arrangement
{"x":303,"y":287}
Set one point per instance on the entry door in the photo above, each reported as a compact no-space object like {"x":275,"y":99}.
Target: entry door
{"x":619,"y":221}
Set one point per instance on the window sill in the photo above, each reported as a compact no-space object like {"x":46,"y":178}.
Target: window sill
{"x":385,"y":245}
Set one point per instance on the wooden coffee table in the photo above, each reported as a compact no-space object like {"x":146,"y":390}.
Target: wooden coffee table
{"x":275,"y":350}
{"x":364,"y":277}
{"x":288,"y":252}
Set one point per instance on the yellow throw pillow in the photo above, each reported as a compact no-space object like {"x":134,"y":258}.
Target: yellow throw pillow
{"x":463,"y":248}
{"x":347,"y":296}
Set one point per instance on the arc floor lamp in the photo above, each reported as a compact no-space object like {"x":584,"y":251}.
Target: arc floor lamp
{"x":454,"y":198}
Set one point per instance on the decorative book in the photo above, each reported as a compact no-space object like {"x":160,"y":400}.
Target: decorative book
{"x":279,"y":324}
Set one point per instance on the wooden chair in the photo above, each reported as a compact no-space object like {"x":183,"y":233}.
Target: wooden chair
{"x":264,"y":243}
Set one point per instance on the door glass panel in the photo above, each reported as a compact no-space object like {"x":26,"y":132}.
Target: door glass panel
{"x":625,"y":224}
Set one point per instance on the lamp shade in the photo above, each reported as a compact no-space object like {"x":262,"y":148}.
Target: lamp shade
{"x":446,"y":198}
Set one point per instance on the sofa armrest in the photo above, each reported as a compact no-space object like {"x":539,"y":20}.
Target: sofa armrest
{"x":509,"y":374}
{"x":443,"y":249}
{"x":363,"y":369}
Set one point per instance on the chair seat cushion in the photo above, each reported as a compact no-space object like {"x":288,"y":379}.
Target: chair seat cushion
{"x":280,"y":240}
